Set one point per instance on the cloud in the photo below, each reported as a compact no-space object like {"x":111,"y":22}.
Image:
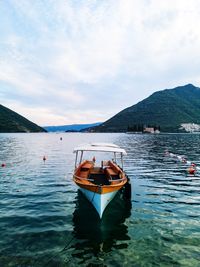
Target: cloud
{"x":83,"y":61}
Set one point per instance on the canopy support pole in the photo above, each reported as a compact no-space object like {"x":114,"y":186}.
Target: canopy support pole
{"x":81,"y":157}
{"x":122,"y":161}
{"x":76,"y":159}
{"x":115,"y":159}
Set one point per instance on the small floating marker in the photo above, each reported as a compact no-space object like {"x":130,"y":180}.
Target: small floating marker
{"x":192,"y":169}
{"x":166,"y":153}
{"x":3,"y":165}
{"x":44,"y":158}
{"x":61,"y":138}
{"x":183,"y":160}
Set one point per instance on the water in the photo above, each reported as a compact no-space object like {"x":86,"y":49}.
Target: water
{"x":45,"y":221}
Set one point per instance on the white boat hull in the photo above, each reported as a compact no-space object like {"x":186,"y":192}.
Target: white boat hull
{"x":99,"y":201}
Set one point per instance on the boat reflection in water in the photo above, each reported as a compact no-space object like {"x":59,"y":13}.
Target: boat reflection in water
{"x":94,"y":236}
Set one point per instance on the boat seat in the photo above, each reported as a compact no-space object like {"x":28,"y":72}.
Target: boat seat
{"x":113,"y":175}
{"x":111,"y":172}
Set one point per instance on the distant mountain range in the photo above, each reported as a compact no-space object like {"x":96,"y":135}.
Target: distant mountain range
{"x":70,"y":128}
{"x":168,"y":109}
{"x":11,"y":122}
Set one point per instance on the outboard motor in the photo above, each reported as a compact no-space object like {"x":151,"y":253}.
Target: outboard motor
{"x":127,"y":189}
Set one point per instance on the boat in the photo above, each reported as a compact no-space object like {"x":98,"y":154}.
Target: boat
{"x":99,"y":182}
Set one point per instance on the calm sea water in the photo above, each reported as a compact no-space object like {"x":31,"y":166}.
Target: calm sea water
{"x":45,"y":221}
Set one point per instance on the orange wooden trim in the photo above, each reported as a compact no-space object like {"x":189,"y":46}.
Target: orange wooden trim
{"x":100,"y":189}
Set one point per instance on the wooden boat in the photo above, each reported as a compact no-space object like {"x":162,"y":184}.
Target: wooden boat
{"x":99,"y":183}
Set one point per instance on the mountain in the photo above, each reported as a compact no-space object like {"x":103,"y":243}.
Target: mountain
{"x":72,"y":127}
{"x":11,"y":122}
{"x":168,"y":109}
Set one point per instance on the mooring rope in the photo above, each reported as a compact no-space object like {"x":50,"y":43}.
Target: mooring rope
{"x":183,"y":159}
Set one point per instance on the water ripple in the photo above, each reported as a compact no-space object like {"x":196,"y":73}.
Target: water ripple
{"x":45,"y":221}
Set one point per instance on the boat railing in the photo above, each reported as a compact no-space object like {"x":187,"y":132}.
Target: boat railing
{"x":117,"y":180}
{"x":92,"y":180}
{"x":81,"y":178}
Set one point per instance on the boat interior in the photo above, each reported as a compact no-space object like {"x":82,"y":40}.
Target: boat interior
{"x":107,"y":174}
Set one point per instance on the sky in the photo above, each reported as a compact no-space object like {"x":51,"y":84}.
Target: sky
{"x":83,"y":61}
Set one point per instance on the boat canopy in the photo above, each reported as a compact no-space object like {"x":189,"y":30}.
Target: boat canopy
{"x":102,"y":147}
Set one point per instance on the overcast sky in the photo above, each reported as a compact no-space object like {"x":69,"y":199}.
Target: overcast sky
{"x":79,"y":61}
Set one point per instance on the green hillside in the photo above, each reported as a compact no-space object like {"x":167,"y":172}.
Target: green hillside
{"x":168,"y":109}
{"x":11,"y":122}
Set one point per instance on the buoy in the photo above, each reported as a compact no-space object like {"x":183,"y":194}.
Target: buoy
{"x":183,"y":160}
{"x":192,"y":169}
{"x":166,"y":153}
{"x":60,"y":138}
{"x":3,"y":165}
{"x":44,"y":158}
